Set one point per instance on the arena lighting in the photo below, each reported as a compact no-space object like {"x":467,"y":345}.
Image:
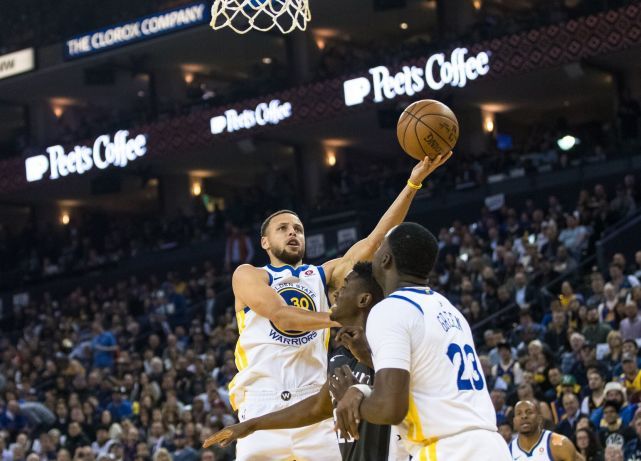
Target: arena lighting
{"x":189,"y":78}
{"x":64,"y":218}
{"x":331,"y":157}
{"x":196,"y":187}
{"x":267,"y":60}
{"x":404,"y":25}
{"x":567,"y":142}
{"x":477,"y":4}
{"x":488,"y":122}
{"x":320,"y":43}
{"x":58,"y":111}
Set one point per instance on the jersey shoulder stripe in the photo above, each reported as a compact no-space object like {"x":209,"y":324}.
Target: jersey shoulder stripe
{"x":413,"y":303}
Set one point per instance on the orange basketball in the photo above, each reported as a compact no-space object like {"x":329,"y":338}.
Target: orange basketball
{"x":427,"y":127}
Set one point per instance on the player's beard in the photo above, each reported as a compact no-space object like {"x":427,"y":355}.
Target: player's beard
{"x":288,"y":257}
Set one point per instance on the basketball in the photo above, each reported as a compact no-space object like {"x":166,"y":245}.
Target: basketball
{"x":427,"y":127}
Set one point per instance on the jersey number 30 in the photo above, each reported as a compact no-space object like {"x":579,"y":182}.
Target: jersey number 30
{"x":468,"y":367}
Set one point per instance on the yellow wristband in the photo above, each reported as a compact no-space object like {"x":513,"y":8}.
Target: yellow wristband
{"x":414,"y":186}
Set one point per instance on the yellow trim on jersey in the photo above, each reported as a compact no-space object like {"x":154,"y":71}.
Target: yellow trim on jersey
{"x":240,"y":355}
{"x":415,"y":429}
{"x":232,"y":399}
{"x":327,"y":335}
{"x":428,"y":452}
{"x":431,"y":451}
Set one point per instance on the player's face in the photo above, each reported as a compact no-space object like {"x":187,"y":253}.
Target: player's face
{"x":347,"y":299}
{"x":526,"y":419}
{"x":285,"y":239}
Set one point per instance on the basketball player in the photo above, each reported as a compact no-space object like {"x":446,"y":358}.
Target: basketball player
{"x":533,"y":443}
{"x":281,"y":355}
{"x":353,"y":303}
{"x":428,"y":378}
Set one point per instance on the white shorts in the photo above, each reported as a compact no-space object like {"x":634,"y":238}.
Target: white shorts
{"x":317,"y":442}
{"x":476,"y":445}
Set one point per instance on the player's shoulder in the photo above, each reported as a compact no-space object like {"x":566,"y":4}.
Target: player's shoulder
{"x":246,"y":272}
{"x":561,"y":447}
{"x":395,"y":310}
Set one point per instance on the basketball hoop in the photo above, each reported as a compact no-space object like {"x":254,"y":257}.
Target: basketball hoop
{"x":241,"y":16}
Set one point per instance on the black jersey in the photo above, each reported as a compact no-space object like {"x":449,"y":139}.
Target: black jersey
{"x":374,"y":441}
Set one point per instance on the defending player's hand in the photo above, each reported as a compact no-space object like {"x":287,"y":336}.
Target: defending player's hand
{"x":355,"y":340}
{"x":347,"y":413}
{"x":227,"y":436}
{"x":341,"y":380}
{"x":427,"y":166}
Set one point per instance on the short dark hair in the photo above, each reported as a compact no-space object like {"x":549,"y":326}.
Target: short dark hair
{"x":265,"y":224}
{"x":364,"y":272}
{"x":414,"y":248}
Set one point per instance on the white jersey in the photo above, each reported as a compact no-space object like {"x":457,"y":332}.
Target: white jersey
{"x":418,"y":330}
{"x":540,"y":451}
{"x":269,"y":359}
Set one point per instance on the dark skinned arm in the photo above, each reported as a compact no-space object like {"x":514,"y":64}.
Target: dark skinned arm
{"x":304,"y":413}
{"x":387,"y":405}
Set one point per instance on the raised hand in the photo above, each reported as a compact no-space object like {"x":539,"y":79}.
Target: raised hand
{"x":427,"y":166}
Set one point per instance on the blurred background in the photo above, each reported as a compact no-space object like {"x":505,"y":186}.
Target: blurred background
{"x":140,"y":151}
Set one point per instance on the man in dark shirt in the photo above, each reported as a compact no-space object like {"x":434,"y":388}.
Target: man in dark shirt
{"x":351,"y":356}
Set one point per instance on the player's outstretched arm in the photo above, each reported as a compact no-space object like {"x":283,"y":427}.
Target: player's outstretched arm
{"x":304,"y":413}
{"x":337,"y":269}
{"x":251,"y":287}
{"x":563,"y":449}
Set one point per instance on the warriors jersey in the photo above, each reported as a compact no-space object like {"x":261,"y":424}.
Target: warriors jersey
{"x":540,"y":451}
{"x":374,"y":442}
{"x":418,"y":330}
{"x":271,"y":359}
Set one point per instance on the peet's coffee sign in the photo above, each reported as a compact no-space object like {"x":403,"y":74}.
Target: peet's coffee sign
{"x":456,"y":70}
{"x":265,"y":113}
{"x":104,"y":153}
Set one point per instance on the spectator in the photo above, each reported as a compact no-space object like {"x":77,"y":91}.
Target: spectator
{"x":207,"y":455}
{"x":613,"y":424}
{"x":103,"y":443}
{"x":614,"y":452}
{"x":622,"y":283}
{"x":571,"y":415}
{"x":615,"y":349}
{"x":630,"y":326}
{"x":508,"y":370}
{"x":587,"y":359}
{"x":631,"y":377}
{"x":76,"y":439}
{"x":588,"y":445}
{"x":239,"y":249}
{"x":501,"y":408}
{"x":556,"y":335}
{"x":595,"y":331}
{"x":596,"y":395}
{"x":104,"y":346}
{"x":615,"y":392}
{"x":182,"y":451}
{"x":119,"y":407}
{"x":527,"y":330}
{"x":12,"y":419}
{"x":574,"y":237}
{"x":525,"y":295}
{"x":633,"y":446}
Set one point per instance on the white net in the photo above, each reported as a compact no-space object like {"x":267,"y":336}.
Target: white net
{"x":244,"y":15}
